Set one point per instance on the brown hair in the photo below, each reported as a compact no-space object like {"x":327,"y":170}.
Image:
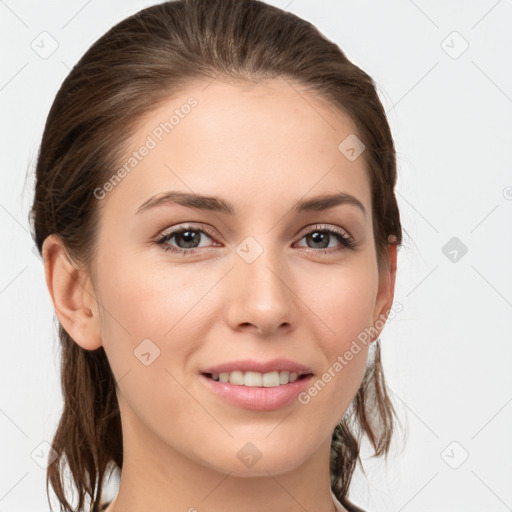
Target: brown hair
{"x":132,"y":68}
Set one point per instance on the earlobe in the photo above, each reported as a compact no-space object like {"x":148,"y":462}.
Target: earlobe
{"x":71,"y":293}
{"x":386,"y":291}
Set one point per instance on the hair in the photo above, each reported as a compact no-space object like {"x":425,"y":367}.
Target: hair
{"x":134,"y":67}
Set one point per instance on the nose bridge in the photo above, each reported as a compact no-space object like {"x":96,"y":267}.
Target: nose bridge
{"x":263,"y":296}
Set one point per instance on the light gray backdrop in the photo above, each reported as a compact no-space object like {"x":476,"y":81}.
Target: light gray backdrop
{"x":444,"y":75}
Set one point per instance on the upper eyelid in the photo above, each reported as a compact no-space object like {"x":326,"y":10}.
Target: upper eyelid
{"x":321,"y":227}
{"x":200,"y":227}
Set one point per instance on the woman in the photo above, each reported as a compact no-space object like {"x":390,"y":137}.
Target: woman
{"x":215,"y":208}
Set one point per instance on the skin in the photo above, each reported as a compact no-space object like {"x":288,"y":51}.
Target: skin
{"x":262,"y":147}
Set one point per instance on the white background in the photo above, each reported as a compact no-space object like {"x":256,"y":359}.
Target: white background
{"x":447,"y":355}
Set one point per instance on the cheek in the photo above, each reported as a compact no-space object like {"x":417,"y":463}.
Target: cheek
{"x":345,"y":301}
{"x":158,"y":316}
{"x":150,"y":326}
{"x":143,"y":300}
{"x":346,"y":308}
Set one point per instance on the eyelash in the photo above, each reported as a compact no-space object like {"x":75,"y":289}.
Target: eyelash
{"x":346,"y":241}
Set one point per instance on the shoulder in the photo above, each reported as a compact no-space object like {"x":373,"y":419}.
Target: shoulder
{"x":351,"y":507}
{"x":354,"y":508}
{"x":345,"y":505}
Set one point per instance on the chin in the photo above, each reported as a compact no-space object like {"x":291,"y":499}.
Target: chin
{"x":244,"y":467}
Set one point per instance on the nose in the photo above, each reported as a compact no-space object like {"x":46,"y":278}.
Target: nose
{"x":261,"y":296}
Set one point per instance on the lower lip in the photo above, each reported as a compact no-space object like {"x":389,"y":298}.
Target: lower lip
{"x":258,"y":398}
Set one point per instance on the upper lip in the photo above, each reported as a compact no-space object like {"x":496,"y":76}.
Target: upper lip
{"x":252,"y":365}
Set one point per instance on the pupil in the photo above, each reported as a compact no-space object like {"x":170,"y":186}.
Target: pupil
{"x":321,"y":238}
{"x":187,"y":235}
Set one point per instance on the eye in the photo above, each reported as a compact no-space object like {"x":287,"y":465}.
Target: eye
{"x":321,"y":237}
{"x":188,"y":237}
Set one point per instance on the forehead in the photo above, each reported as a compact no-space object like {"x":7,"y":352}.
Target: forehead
{"x":264,"y":141}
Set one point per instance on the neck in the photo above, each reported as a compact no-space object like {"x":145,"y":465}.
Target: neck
{"x":157,"y":477}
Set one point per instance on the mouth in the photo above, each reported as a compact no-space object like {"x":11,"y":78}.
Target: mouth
{"x":272,"y":393}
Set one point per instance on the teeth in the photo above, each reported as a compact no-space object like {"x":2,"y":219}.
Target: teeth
{"x":256,"y":379}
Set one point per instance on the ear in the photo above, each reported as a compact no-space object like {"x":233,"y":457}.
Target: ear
{"x":386,"y":291}
{"x":72,"y":294}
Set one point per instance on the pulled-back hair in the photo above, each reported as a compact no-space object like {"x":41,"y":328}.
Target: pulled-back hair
{"x":127,"y":73}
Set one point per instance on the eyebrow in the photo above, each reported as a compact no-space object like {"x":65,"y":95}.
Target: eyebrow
{"x":217,"y":204}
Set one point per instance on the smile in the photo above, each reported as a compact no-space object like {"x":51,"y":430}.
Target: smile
{"x":257,"y":397}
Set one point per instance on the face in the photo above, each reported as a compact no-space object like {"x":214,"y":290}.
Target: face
{"x":181,"y":289}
